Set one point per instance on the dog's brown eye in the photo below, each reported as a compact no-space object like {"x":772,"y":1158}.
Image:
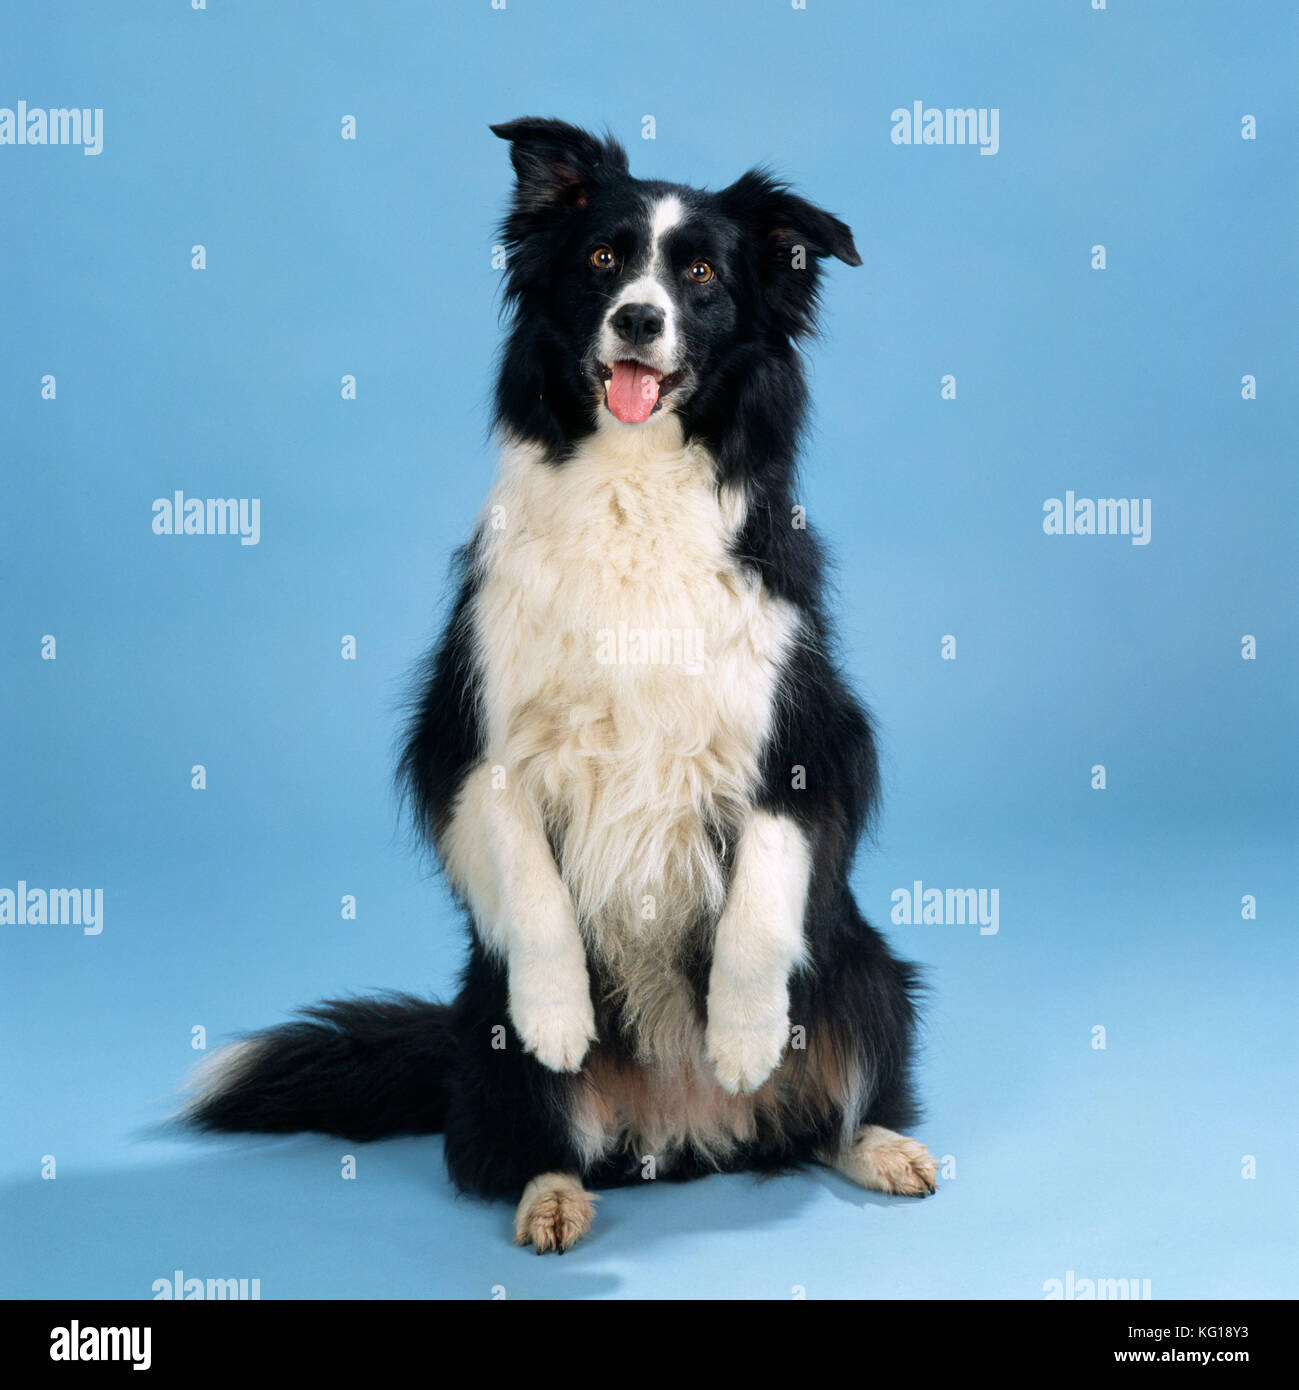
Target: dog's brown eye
{"x":602,"y":258}
{"x":701,"y":272}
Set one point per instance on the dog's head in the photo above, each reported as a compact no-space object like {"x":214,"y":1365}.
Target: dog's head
{"x":636,"y":298}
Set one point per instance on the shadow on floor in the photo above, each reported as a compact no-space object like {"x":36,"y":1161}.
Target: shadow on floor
{"x":280,"y":1211}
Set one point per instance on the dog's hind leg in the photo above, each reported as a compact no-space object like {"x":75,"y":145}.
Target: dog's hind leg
{"x":885,"y":1162}
{"x":509,"y":1126}
{"x":554,"y":1213}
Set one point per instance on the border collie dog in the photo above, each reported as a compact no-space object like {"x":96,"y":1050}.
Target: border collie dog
{"x":632,"y":750}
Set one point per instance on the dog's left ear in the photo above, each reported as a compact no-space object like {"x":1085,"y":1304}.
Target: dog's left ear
{"x":792,"y":236}
{"x":557,"y":164}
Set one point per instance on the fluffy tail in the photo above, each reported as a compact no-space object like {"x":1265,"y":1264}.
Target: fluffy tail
{"x":358,"y":1068}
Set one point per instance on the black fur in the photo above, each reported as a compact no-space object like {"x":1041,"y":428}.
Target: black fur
{"x":359,"y":1068}
{"x":366,"y":1069}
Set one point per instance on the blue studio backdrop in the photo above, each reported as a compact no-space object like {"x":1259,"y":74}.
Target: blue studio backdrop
{"x":262,"y":265}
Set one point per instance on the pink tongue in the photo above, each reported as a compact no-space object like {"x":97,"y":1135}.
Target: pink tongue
{"x":632,"y":392}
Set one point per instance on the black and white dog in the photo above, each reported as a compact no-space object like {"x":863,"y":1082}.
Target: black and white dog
{"x":632,"y":750}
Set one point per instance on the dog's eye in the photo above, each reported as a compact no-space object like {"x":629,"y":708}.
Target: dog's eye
{"x":701,"y":272}
{"x":602,"y":258}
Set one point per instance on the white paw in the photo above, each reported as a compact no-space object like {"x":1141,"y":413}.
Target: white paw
{"x":744,"y":1052}
{"x":554,"y":1213}
{"x":888,"y":1162}
{"x":556,"y":1031}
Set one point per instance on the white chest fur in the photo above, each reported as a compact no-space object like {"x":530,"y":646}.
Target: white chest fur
{"x":629,"y":672}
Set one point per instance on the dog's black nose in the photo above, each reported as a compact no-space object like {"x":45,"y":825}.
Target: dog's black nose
{"x":638,"y":323}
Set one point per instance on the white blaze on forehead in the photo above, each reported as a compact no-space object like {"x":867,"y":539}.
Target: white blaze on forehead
{"x":650,"y":287}
{"x":666,"y":214}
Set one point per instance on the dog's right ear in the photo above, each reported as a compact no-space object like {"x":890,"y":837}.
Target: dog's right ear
{"x":558,"y":165}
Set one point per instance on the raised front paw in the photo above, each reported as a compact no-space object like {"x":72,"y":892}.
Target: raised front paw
{"x":557,"y":1031}
{"x":744,"y":1052}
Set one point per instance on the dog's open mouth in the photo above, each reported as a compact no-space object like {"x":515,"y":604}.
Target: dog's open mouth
{"x":633,"y":391}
